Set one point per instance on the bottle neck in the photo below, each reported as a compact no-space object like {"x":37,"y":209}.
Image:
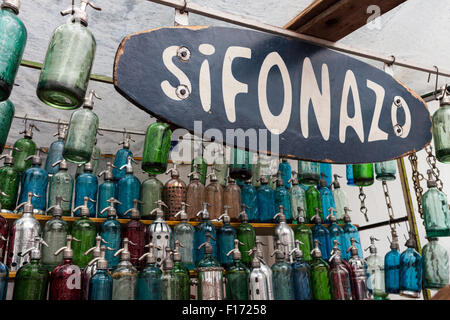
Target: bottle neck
{"x":10,"y":10}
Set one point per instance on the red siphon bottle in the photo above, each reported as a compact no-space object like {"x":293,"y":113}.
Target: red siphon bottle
{"x":339,"y":275}
{"x":136,"y":233}
{"x":65,"y":279}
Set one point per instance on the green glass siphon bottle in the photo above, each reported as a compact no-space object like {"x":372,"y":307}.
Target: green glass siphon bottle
{"x":13,"y":37}
{"x":181,"y":272}
{"x":320,"y":275}
{"x":386,"y":170}
{"x":85,"y":230}
{"x":151,"y":192}
{"x":246,"y":234}
{"x":363,"y":174}
{"x":237,"y":276}
{"x":303,"y":234}
{"x":435,"y":210}
{"x":312,"y":201}
{"x":435,"y":265}
{"x":169,"y":280}
{"x":156,"y":148}
{"x":80,"y":139}
{"x":441,"y":119}
{"x":184,"y":233}
{"x":6,"y":117}
{"x":32,"y":279}
{"x":9,"y":184}
{"x":67,"y":67}
{"x":283,"y":284}
{"x":23,"y":148}
{"x":61,"y":184}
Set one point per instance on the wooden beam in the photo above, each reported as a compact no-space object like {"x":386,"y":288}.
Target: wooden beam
{"x":334,"y":19}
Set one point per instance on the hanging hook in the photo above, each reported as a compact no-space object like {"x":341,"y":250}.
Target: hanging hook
{"x":436,"y":83}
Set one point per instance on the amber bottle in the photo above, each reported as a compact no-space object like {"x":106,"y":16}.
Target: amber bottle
{"x":232,"y":199}
{"x":214,"y":196}
{"x":195,"y":194}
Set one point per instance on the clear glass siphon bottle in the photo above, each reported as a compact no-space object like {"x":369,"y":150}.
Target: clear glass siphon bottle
{"x":375,"y":273}
{"x":308,"y":173}
{"x":61,"y":184}
{"x":435,"y":265}
{"x":283,"y":286}
{"x":297,"y":196}
{"x":184,"y":233}
{"x":67,"y":67}
{"x":441,"y":118}
{"x":124,"y":275}
{"x":151,"y":192}
{"x":340,"y":199}
{"x":386,"y":170}
{"x":149,"y":279}
{"x":13,"y":37}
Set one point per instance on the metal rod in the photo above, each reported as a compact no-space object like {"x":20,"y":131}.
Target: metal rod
{"x":382,"y":224}
{"x":256,"y":25}
{"x":410,"y":211}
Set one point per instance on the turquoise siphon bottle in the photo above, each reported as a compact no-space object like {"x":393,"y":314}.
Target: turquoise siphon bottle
{"x":308,"y":173}
{"x":61,"y":184}
{"x":35,"y":180}
{"x":156,"y":148}
{"x":210,"y":273}
{"x":340,"y":199}
{"x":441,"y":119}
{"x":349,"y":174}
{"x":336,"y":232}
{"x":13,"y":39}
{"x":283,"y":286}
{"x":301,"y":274}
{"x":86,"y":185}
{"x":23,"y":148}
{"x":121,"y":157}
{"x":106,"y":190}
{"x":286,"y":172}
{"x":246,"y":235}
{"x":386,"y":170}
{"x":9,"y":184}
{"x":321,"y":234}
{"x":124,"y":275}
{"x":435,"y":265}
{"x":184,"y":233}
{"x":357,"y":273}
{"x":303,"y":234}
{"x":225,"y":240}
{"x":55,"y":150}
{"x":149,"y":280}
{"x":85,"y":230}
{"x":31,"y":280}
{"x":392,"y":266}
{"x":101,"y":283}
{"x":83,"y":126}
{"x":258,"y":282}
{"x":325,"y":169}
{"x":321,"y":285}
{"x":128,"y":189}
{"x":312,"y":201}
{"x":282,"y":198}
{"x":201,"y":230}
{"x":350,"y":231}
{"x":435,"y":210}
{"x":55,"y":233}
{"x":7,"y":111}
{"x":297,"y":196}
{"x":67,"y":67}
{"x":249,"y":199}
{"x":237,"y":276}
{"x":410,"y":270}
{"x":266,"y":201}
{"x":111,"y":232}
{"x":363,"y":174}
{"x":151,"y":192}
{"x":181,"y":272}
{"x":326,"y":196}
{"x":90,"y":269}
{"x":375,"y":273}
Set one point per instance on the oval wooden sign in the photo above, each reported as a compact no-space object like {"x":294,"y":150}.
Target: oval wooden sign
{"x":313,"y":103}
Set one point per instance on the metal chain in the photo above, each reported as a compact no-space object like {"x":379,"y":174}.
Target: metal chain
{"x":362,"y":198}
{"x":431,"y":160}
{"x":389,"y":206}
{"x":416,"y":177}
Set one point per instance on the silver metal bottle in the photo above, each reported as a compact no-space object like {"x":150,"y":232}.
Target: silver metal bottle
{"x":285,"y":234}
{"x":265,"y":268}
{"x":23,"y":232}
{"x":258,"y":289}
{"x":160,"y":233}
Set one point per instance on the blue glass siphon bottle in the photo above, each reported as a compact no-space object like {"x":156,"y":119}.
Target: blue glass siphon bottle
{"x":286,"y":172}
{"x":86,"y":185}
{"x":249,"y":198}
{"x":111,"y":232}
{"x":392,"y":266}
{"x":121,"y":157}
{"x":225,"y":240}
{"x":128,"y":189}
{"x":101,"y":283}
{"x":410,"y":270}
{"x":326,"y":196}
{"x":55,"y":150}
{"x":106,"y":190}
{"x":301,"y":274}
{"x":350,"y":231}
{"x":336,"y":232}
{"x":266,"y":201}
{"x":321,"y":234}
{"x":148,"y":281}
{"x":283,"y":286}
{"x":283,"y":198}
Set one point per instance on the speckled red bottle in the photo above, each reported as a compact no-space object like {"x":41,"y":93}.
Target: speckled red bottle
{"x":65,"y":279}
{"x":135,"y":231}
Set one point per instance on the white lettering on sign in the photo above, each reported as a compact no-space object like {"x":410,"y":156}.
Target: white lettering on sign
{"x":204,"y":80}
{"x":230,"y":86}
{"x":345,"y":121}
{"x":166,"y":87}
{"x":275,"y":124}
{"x":321,"y":102}
{"x":375,"y":132}
{"x":407,"y":125}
